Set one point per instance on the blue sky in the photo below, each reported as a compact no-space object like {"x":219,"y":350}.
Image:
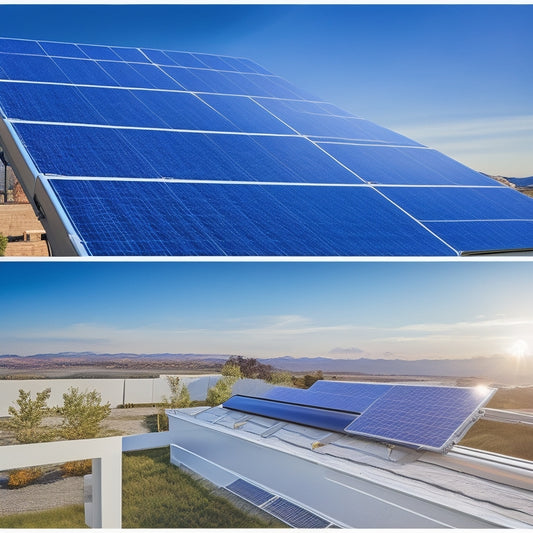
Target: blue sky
{"x":455,"y":77}
{"x":408,"y":310}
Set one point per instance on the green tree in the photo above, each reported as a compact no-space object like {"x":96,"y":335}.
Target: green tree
{"x":232,"y":371}
{"x":280,"y":377}
{"x":3,"y":244}
{"x":179,"y":397}
{"x":83,"y":414}
{"x":26,"y":420}
{"x":221,"y":391}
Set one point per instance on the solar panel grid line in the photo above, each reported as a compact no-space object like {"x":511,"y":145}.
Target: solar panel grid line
{"x":484,"y":220}
{"x":457,"y":252}
{"x":360,"y":142}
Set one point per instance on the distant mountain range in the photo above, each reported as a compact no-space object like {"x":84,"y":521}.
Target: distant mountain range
{"x":499,"y":369}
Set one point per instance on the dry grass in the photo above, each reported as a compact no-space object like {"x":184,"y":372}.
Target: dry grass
{"x":515,"y":398}
{"x":508,"y":439}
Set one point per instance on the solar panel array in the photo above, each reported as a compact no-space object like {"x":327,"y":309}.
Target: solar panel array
{"x":157,"y":152}
{"x":288,"y":512}
{"x":425,"y":417}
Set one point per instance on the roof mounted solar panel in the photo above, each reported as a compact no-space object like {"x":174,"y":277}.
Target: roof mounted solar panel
{"x":299,"y":414}
{"x":429,"y":418}
{"x":111,"y":145}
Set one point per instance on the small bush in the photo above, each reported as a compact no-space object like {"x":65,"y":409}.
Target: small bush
{"x":3,"y":244}
{"x":23,"y":477}
{"x":76,"y":468}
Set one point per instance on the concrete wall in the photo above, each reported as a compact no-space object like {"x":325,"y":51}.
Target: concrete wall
{"x":114,"y":391}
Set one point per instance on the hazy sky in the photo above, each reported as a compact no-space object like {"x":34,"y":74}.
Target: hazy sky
{"x":344,"y":309}
{"x":455,"y":77}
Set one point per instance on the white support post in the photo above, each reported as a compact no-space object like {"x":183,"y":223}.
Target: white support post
{"x":106,"y":454}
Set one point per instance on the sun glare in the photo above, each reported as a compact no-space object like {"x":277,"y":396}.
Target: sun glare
{"x":519,"y":349}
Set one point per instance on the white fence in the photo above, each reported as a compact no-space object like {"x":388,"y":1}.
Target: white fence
{"x":105,"y":509}
{"x":114,"y":391}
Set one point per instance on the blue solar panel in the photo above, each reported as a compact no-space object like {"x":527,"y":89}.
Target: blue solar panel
{"x":250,"y":492}
{"x":284,"y":135}
{"x":245,"y":114}
{"x":156,"y":77}
{"x":130,"y":54}
{"x":126,"y":75}
{"x":421,"y":416}
{"x":469,"y":204}
{"x":372,"y":390}
{"x":20,"y":46}
{"x":294,"y":515}
{"x":311,"y":119}
{"x":478,"y":236}
{"x":84,"y":72}
{"x":62,"y":49}
{"x":355,"y":401}
{"x":106,"y":152}
{"x":298,"y":414}
{"x":98,"y":52}
{"x":31,"y":68}
{"x":413,"y":166}
{"x":185,"y":59}
{"x":214,"y":219}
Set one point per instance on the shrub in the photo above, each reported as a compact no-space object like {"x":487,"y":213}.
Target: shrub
{"x":83,"y":414}
{"x":3,"y":244}
{"x":26,"y":420}
{"x":23,"y":477}
{"x":76,"y":468}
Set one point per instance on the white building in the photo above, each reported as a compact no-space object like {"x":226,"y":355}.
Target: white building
{"x":312,"y":477}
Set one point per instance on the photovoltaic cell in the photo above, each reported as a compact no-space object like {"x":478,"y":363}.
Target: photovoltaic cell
{"x":214,"y":219}
{"x":130,"y":54}
{"x":294,"y":515}
{"x":477,"y":236}
{"x":20,"y":46}
{"x":354,"y":402}
{"x":412,"y":166}
{"x":421,"y":416}
{"x":30,"y":68}
{"x":62,"y":49}
{"x":471,"y":204}
{"x":109,"y":112}
{"x":98,"y":52}
{"x":185,"y":59}
{"x":252,"y":493}
{"x":84,"y":72}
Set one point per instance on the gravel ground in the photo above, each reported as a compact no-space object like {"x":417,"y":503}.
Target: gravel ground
{"x":39,"y":497}
{"x":60,"y":492}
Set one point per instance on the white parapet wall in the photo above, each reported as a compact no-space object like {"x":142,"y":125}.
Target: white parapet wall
{"x":114,"y":391}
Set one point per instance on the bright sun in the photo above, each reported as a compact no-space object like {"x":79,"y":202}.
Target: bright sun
{"x":519,"y":349}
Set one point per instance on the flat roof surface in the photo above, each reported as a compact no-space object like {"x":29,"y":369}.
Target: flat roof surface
{"x":493,"y":490}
